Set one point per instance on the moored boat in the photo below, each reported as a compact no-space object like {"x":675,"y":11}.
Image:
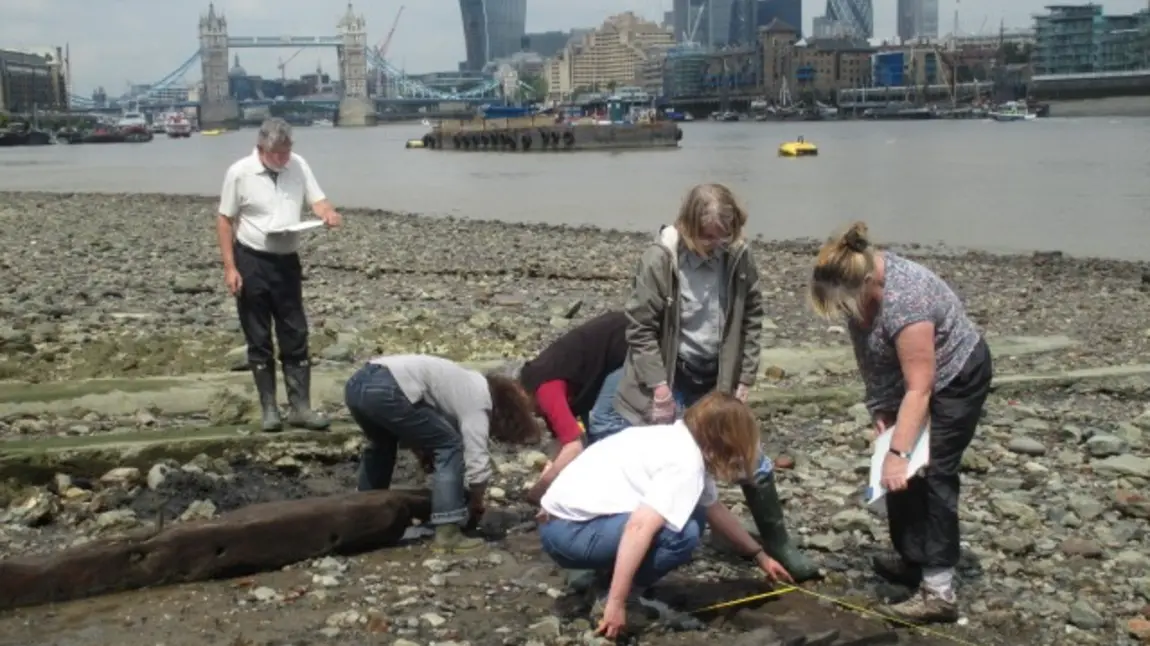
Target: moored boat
{"x":178,"y":126}
{"x":1013,"y":111}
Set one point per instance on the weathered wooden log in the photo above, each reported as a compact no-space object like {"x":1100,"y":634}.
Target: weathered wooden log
{"x":257,"y":538}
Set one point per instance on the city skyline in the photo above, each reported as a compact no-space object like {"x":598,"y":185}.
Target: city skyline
{"x":141,"y":42}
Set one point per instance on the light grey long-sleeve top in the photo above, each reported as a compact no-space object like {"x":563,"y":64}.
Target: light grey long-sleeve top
{"x":459,"y":394}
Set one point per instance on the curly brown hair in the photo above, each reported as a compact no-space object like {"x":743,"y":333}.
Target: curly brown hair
{"x":512,"y":418}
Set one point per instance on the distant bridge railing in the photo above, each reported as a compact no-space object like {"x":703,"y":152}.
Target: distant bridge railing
{"x":284,"y":41}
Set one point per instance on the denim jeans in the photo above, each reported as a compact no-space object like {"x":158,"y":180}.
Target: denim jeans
{"x":605,"y":421}
{"x":387,"y":417}
{"x":593,"y":545}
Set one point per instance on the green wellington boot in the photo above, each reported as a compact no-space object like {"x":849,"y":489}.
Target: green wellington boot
{"x":767,"y":510}
{"x":449,"y":538}
{"x":265,"y":378}
{"x":297,"y":382}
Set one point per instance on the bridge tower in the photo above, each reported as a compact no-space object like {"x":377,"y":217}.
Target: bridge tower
{"x":355,"y":106}
{"x":217,"y":108}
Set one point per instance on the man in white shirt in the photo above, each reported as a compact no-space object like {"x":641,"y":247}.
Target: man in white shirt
{"x":263,"y":194}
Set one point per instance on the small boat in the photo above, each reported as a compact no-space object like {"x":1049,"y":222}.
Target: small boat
{"x":177,"y":126}
{"x":415,"y":143}
{"x":1013,"y":111}
{"x":213,"y":132}
{"x":322,"y":123}
{"x":798,"y":148}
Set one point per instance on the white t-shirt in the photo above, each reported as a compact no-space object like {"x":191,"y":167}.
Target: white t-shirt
{"x":658,"y":466}
{"x":263,"y":201}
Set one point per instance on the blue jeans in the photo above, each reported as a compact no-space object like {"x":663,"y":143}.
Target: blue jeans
{"x":593,"y":544}
{"x":605,"y":421}
{"x":387,"y":417}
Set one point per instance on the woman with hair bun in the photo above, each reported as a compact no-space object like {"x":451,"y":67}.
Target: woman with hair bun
{"x":923,"y":362}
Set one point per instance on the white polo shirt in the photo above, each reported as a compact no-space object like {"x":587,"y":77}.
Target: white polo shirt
{"x":262,"y":203}
{"x":658,"y":466}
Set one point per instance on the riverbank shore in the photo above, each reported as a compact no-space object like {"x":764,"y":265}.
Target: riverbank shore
{"x":107,"y":297}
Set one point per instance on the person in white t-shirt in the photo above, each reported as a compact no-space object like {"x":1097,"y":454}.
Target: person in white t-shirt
{"x":264,"y":193}
{"x":633,"y":506}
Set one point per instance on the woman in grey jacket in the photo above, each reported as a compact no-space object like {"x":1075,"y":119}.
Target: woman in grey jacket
{"x":695,"y":317}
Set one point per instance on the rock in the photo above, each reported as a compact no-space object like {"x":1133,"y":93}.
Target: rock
{"x":1104,"y":446}
{"x":1139,"y":628}
{"x":121,"y":476}
{"x":157,"y":474}
{"x":1026,"y":446}
{"x":1084,"y":616}
{"x":1123,"y":465}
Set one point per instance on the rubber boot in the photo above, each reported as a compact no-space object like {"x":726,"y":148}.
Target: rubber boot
{"x":265,"y":378}
{"x":767,"y":510}
{"x":450,"y":538}
{"x":297,"y":381}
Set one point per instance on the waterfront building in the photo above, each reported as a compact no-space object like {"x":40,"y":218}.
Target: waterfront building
{"x":917,"y":20}
{"x":492,"y":29}
{"x":817,"y":68}
{"x":33,"y":80}
{"x":1080,"y":39}
{"x":684,"y":70}
{"x":846,"y":19}
{"x":614,"y":54}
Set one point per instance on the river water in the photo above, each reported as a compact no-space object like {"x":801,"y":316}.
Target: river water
{"x":1077,"y":185}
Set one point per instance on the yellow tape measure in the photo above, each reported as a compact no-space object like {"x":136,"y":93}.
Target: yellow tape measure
{"x":866,"y":612}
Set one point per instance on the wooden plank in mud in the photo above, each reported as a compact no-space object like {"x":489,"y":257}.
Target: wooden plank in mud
{"x":257,"y":538}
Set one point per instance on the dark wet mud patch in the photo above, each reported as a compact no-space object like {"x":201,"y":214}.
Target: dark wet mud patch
{"x":247,"y":485}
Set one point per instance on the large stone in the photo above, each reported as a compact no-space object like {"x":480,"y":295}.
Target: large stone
{"x":254,"y":539}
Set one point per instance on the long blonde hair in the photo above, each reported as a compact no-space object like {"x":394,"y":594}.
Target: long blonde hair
{"x":727,"y":434}
{"x":839,"y":280}
{"x":707,"y":204}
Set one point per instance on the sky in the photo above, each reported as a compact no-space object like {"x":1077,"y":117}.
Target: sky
{"x":117,"y":42}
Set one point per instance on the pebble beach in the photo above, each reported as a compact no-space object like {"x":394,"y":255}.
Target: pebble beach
{"x":1055,"y":509}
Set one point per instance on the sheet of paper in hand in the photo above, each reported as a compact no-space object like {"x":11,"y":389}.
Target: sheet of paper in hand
{"x":299,"y":226}
{"x":919,"y":458}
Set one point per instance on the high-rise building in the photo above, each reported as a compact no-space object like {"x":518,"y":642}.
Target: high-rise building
{"x":846,"y":19}
{"x":748,"y":16}
{"x":614,"y":54}
{"x":917,"y":19}
{"x":718,"y":17}
{"x":492,"y":29}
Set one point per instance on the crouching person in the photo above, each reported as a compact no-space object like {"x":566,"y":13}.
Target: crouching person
{"x":443,"y":411}
{"x":633,"y":506}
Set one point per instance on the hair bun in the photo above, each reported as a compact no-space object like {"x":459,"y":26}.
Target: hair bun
{"x":855,"y":237}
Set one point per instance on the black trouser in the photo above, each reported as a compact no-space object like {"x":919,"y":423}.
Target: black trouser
{"x":272,"y":290}
{"x":923,"y":518}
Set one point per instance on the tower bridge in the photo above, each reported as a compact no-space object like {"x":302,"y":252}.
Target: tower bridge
{"x":219,"y":110}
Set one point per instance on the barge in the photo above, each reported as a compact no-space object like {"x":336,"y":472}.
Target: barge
{"x":503,"y":131}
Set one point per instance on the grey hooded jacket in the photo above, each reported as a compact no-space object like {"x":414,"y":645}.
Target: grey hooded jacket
{"x":653,"y":330}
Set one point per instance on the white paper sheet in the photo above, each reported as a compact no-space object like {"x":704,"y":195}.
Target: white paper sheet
{"x":299,"y":226}
{"x":919,"y":458}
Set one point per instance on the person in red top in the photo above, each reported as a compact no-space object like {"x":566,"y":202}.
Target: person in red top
{"x":565,"y":380}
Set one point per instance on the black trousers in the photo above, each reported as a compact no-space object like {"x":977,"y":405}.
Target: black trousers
{"x":272,"y":290}
{"x":923,"y":518}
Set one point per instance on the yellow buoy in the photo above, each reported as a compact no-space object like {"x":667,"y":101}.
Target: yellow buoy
{"x":798,"y":148}
{"x":415,"y":143}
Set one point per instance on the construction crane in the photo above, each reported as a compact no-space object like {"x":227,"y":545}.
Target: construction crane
{"x":283,"y":64}
{"x":381,"y":50}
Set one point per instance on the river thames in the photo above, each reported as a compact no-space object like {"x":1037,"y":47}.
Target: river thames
{"x":1081,"y":186}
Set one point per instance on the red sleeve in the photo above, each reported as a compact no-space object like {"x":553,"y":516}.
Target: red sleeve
{"x":552,"y":400}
